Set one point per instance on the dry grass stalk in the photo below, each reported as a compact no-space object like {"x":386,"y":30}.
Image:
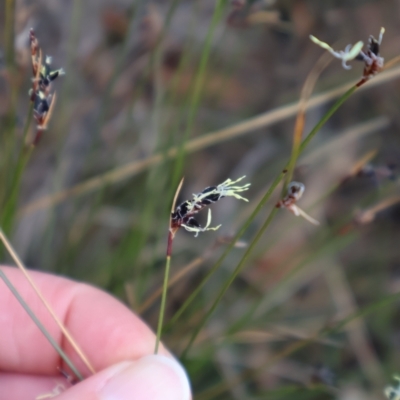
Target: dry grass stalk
{"x":63,"y":329}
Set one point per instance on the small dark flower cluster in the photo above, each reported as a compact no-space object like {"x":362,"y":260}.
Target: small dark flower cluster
{"x":373,"y":62}
{"x":43,"y":76}
{"x":294,"y":193}
{"x":182,"y":216}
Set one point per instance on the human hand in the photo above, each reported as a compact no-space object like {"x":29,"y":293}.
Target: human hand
{"x":118,"y":344}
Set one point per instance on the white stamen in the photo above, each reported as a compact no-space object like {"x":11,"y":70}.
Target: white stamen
{"x":381,"y":35}
{"x":297,"y":211}
{"x":227,"y":189}
{"x":348,"y":54}
{"x":197,"y":230}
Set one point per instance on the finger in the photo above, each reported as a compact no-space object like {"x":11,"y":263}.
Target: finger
{"x":106,"y":330}
{"x":23,"y":387}
{"x":154,"y":377}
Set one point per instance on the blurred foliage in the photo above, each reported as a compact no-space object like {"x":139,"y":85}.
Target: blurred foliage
{"x":94,"y":199}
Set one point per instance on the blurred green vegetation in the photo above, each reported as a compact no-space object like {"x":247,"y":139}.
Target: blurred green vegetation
{"x":206,"y":90}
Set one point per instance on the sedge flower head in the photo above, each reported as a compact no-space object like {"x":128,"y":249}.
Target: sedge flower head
{"x":294,"y":193}
{"x":40,"y":93}
{"x":373,"y":62}
{"x":183,"y":215}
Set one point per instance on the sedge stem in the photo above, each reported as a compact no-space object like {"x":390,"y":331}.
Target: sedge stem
{"x":164,"y":291}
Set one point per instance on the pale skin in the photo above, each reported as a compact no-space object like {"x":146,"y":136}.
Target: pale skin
{"x":113,"y":338}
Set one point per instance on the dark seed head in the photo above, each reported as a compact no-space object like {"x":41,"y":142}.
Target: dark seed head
{"x":212,"y":198}
{"x":180,"y":211}
{"x":192,"y":223}
{"x":373,"y":45}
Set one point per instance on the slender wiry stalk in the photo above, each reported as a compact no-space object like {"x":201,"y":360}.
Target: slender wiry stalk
{"x":233,"y":276}
{"x":164,"y":292}
{"x":26,"y":126}
{"x":9,"y":208}
{"x":306,"y":92}
{"x":58,"y":349}
{"x":174,"y":280}
{"x":171,"y":235}
{"x":198,"y":87}
{"x":8,"y":213}
{"x":63,"y":329}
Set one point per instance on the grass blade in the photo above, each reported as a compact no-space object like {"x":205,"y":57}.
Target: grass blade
{"x":63,"y":329}
{"x":57,"y":348}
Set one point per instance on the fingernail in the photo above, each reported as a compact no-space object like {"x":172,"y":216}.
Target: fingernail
{"x":153,"y":377}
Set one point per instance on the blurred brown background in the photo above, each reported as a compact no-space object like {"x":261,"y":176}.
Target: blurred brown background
{"x":130,"y":92}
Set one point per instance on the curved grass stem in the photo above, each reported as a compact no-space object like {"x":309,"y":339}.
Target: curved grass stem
{"x":306,"y":92}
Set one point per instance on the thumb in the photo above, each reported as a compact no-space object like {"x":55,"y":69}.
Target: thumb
{"x":153,"y":377}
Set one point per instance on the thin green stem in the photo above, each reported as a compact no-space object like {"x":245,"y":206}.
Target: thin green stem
{"x":27,"y":125}
{"x":8,"y":211}
{"x":21,"y":162}
{"x":306,"y":91}
{"x":326,"y":117}
{"x":232,"y":277}
{"x":198,"y":88}
{"x":7,"y":216}
{"x":9,"y":127}
{"x":51,"y":340}
{"x":164,"y":291}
